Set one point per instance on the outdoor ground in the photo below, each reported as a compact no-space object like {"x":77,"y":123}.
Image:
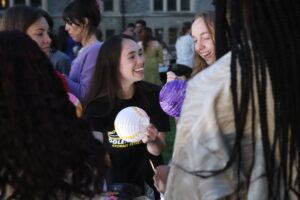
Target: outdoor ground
{"x":170,"y":136}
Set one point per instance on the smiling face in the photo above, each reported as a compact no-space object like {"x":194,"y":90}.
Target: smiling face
{"x":131,"y":63}
{"x":38,"y":32}
{"x":204,"y":44}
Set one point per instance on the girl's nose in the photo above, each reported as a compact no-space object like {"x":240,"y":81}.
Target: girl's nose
{"x":199,"y":45}
{"x":47,"y":39}
{"x":141,"y":59}
{"x":67,"y":27}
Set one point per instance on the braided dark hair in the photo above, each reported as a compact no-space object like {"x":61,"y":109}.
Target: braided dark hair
{"x":263,"y":36}
{"x":46,"y":152}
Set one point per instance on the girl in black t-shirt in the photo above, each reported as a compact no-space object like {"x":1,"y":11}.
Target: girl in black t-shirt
{"x":117,"y":83}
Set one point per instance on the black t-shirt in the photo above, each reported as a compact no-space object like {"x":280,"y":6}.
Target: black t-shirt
{"x":128,"y":159}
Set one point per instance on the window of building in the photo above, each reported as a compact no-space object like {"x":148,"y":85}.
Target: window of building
{"x":108,"y":5}
{"x":158,"y":5}
{"x":185,"y":5}
{"x":19,"y":2}
{"x":158,"y":34}
{"x":4,"y":4}
{"x":171,"y":5}
{"x":172,"y":35}
{"x":109,"y":33}
{"x":36,"y":3}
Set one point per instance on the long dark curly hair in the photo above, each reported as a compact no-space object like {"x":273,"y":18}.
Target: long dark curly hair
{"x":46,"y":152}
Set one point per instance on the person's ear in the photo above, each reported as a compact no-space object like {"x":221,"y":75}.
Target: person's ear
{"x":86,"y":21}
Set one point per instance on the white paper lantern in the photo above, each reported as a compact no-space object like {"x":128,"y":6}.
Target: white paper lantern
{"x":131,"y":123}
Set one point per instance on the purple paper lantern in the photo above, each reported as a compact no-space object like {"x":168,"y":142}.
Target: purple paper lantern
{"x":171,"y":97}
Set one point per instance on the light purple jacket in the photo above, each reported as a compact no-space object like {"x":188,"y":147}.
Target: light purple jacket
{"x":82,"y":70}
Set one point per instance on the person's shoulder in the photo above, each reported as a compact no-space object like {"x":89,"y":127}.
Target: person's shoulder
{"x":90,"y":51}
{"x":189,"y":38}
{"x":149,"y":87}
{"x":62,"y":55}
{"x":215,"y":74}
{"x":95,"y":45}
{"x":92,"y":47}
{"x":97,"y":106}
{"x":185,"y":37}
{"x":220,"y":66}
{"x":98,"y":101}
{"x":155,"y":44}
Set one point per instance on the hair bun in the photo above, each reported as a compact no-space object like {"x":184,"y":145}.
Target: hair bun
{"x":99,"y":4}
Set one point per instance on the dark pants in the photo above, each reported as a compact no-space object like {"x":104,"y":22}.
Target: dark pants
{"x":181,"y":70}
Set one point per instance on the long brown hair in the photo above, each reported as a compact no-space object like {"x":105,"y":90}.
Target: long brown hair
{"x":20,"y":18}
{"x":209,"y":20}
{"x":146,"y":36}
{"x":106,"y":80}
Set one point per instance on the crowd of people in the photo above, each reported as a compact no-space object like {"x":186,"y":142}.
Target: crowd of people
{"x":237,"y":134}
